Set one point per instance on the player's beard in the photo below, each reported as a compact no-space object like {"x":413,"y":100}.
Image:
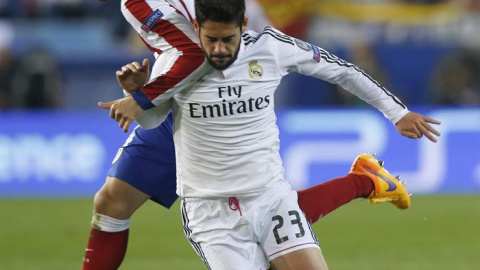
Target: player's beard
{"x":223,"y":65}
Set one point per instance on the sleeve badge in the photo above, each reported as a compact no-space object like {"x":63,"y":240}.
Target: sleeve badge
{"x":303,"y":45}
{"x":151,"y":20}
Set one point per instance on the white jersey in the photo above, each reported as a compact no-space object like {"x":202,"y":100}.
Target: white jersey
{"x":226,"y":137}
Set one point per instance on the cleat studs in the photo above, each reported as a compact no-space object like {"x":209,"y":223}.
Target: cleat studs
{"x":409,"y":194}
{"x":381,"y":162}
{"x":404,"y":182}
{"x":398,"y":177}
{"x":374,"y":155}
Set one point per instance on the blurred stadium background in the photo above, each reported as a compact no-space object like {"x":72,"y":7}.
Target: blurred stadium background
{"x":58,"y":58}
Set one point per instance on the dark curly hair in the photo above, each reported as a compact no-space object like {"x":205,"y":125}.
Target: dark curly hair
{"x":225,"y":11}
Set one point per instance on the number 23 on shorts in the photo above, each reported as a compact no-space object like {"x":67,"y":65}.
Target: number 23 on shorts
{"x":294,"y":219}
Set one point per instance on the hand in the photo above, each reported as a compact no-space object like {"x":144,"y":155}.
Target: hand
{"x":133,"y":76}
{"x":124,"y":110}
{"x":414,"y":126}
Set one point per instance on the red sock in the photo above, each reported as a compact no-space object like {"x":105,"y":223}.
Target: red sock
{"x":105,"y":250}
{"x":321,"y":199}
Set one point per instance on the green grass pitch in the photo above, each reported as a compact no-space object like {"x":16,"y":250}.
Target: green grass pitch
{"x":437,"y":232}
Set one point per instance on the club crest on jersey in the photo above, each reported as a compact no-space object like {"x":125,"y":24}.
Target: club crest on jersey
{"x":316,"y":53}
{"x":151,"y":20}
{"x":303,"y":45}
{"x":255,"y":71}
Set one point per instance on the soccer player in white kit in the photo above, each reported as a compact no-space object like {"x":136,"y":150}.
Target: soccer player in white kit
{"x":143,"y":15}
{"x":238,"y":211}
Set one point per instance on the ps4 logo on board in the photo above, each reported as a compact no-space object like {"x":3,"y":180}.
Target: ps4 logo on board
{"x":151,"y":20}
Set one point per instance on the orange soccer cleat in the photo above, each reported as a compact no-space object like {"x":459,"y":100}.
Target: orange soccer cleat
{"x":387,"y":187}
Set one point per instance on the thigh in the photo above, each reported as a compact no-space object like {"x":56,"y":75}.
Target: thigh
{"x":147,"y":162}
{"x":287,"y":229}
{"x":305,"y":259}
{"x":221,"y":236}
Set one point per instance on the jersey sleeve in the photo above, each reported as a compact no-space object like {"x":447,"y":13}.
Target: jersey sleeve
{"x":165,"y":30}
{"x":308,"y":59}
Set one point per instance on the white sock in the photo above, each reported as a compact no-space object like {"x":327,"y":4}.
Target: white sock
{"x":109,"y":224}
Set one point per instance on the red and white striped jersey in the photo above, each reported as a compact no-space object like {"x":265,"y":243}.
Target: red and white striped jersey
{"x":166,"y":28}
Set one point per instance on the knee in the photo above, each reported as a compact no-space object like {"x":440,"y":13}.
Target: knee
{"x":106,"y":203}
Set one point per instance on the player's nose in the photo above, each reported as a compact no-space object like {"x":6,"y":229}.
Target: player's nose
{"x":220,"y":48}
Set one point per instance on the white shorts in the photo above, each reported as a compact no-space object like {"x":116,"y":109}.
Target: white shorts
{"x":246,"y":232}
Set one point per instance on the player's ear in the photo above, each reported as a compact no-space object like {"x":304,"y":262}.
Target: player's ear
{"x":197,"y":27}
{"x":244,"y":24}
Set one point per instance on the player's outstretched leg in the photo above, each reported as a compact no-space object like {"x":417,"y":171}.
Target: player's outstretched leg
{"x":319,"y":200}
{"x":387,"y":187}
{"x":364,"y":181}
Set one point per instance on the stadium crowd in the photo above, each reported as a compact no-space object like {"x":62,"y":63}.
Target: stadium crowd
{"x":33,"y":75}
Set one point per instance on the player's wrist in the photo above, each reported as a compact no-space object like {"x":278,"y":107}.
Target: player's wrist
{"x":396,"y":118}
{"x":142,"y":100}
{"x":127,"y":93}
